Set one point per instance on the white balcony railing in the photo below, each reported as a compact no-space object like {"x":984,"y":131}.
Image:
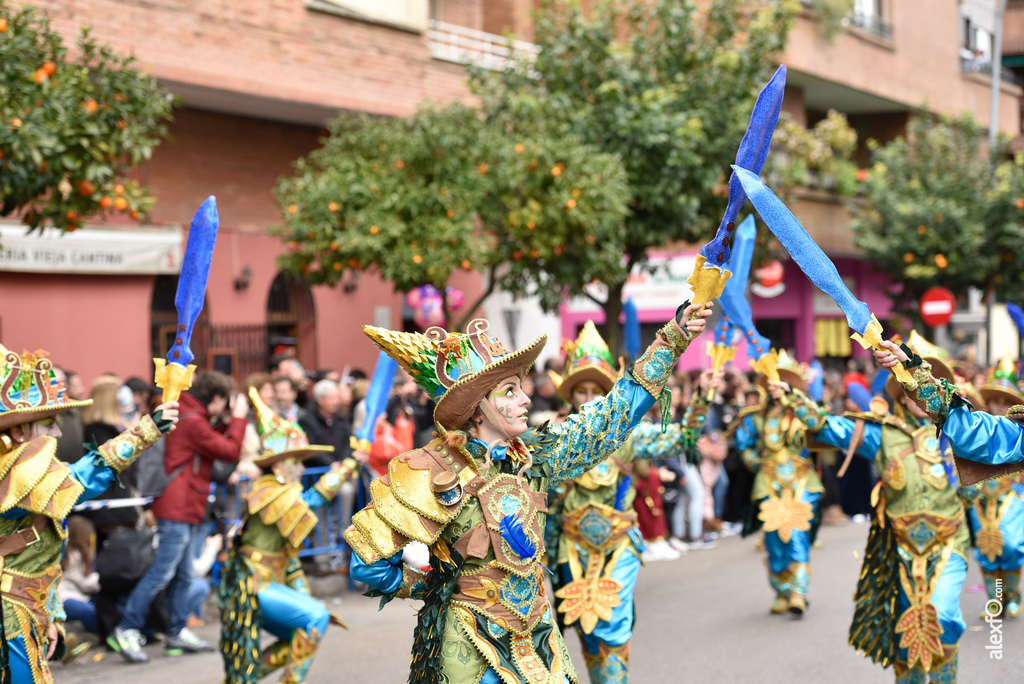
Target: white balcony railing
{"x":463,"y":45}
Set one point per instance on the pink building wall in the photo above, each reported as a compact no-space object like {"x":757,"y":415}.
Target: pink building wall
{"x":796,"y":303}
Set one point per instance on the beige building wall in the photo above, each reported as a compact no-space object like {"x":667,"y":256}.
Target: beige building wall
{"x":918,"y":65}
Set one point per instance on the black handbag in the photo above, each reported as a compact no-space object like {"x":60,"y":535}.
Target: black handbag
{"x":123,"y":558}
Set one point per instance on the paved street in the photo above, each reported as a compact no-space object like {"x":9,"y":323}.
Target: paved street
{"x":703,"y":618}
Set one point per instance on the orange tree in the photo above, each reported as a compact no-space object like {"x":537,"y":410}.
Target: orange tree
{"x":417,"y":199}
{"x":667,"y":87}
{"x":72,"y":124}
{"x":936,"y":210}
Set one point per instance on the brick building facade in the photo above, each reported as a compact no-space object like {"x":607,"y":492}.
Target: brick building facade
{"x":258,"y":80}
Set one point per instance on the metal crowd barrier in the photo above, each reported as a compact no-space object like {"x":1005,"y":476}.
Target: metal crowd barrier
{"x":327,"y":537}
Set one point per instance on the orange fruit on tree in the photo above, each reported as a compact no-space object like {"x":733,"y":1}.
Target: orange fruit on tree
{"x":1020,"y":202}
{"x":465,"y":264}
{"x":85,"y":188}
{"x":72,"y":215}
{"x":49,"y":67}
{"x":134,"y":214}
{"x":3,"y":24}
{"x":121,"y":125}
{"x":105,"y":202}
{"x":519,"y":148}
{"x":119,"y":190}
{"x":15,"y":122}
{"x":908,"y":257}
{"x":417,"y":259}
{"x":333,"y":206}
{"x":39,"y":76}
{"x":120,"y":204}
{"x":292,"y":208}
{"x":940,"y":261}
{"x":556,"y":171}
{"x":90,"y":106}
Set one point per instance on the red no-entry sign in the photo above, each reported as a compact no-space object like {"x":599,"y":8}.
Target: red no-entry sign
{"x":937,"y":306}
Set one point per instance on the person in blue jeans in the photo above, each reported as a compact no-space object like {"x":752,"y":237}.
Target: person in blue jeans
{"x":188,"y":462}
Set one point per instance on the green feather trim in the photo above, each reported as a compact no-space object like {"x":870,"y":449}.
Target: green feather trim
{"x":873,"y":630}
{"x":430,"y":621}
{"x":240,"y":620}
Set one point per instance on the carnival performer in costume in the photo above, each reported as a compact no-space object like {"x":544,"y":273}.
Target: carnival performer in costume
{"x":263,"y":585}
{"x":996,"y":511}
{"x":771,"y":438}
{"x":477,"y":497}
{"x":38,"y":492}
{"x":918,"y":540}
{"x":598,"y":552}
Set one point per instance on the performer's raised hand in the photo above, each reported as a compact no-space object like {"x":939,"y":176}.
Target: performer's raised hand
{"x":889,"y":355}
{"x":695,"y":318}
{"x":777,"y":389}
{"x":166,"y":416}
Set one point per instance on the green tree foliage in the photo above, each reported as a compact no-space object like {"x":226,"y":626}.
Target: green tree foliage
{"x":816,"y":157}
{"x":445,"y":189}
{"x":71,"y":125}
{"x":666,"y":87}
{"x":938,"y":211}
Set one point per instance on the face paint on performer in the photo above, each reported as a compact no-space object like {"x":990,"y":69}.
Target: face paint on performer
{"x":289,"y":470}
{"x":510,"y":402}
{"x":584,"y":392}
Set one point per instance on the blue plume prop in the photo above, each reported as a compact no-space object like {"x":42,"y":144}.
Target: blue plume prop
{"x":621,"y":490}
{"x":818,"y":268}
{"x":515,"y":536}
{"x":735,"y":306}
{"x":1017,"y":316}
{"x":377,"y":395}
{"x":751,"y":155}
{"x":632,"y":329}
{"x":816,"y":380}
{"x":195,"y":269}
{"x":878,"y":382}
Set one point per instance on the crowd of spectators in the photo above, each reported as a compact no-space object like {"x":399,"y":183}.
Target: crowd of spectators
{"x":137,"y":571}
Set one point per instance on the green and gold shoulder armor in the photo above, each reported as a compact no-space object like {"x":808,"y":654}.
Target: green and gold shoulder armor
{"x":281,"y":504}
{"x":32,"y":479}
{"x":422,"y":492}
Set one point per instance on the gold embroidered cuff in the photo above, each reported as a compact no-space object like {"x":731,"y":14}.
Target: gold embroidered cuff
{"x":329,"y":484}
{"x":927,"y":392}
{"x":121,"y":452}
{"x":654,"y":367}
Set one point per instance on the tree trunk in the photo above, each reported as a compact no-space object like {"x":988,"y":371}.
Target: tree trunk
{"x":468,"y":315}
{"x":612,"y":328}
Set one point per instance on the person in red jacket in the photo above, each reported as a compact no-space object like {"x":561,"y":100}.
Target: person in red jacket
{"x":191,"y":451}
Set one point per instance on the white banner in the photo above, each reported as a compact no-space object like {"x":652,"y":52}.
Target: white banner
{"x":89,"y":250}
{"x":660,"y":285}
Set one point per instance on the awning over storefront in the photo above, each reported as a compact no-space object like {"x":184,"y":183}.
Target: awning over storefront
{"x":91,"y":250}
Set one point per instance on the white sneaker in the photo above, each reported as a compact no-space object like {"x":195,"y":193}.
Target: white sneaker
{"x":678,"y":544}
{"x":664,"y":551}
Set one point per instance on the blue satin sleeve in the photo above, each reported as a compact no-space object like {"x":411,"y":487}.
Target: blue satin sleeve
{"x":838,"y":431}
{"x":94,"y":473}
{"x":984,"y":438}
{"x":314,"y":498}
{"x":746,"y":434}
{"x":385,"y":575}
{"x":589,"y":436}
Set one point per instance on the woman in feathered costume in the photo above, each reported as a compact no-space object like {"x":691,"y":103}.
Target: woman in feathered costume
{"x":598,"y":550}
{"x":477,"y":497}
